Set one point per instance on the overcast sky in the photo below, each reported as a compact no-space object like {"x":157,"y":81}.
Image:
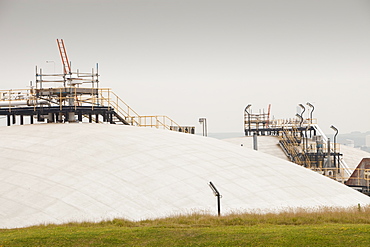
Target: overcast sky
{"x":203,"y":58}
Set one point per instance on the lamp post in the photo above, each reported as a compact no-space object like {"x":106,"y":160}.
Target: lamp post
{"x":203,"y":122}
{"x":335,"y":145}
{"x":249,"y":117}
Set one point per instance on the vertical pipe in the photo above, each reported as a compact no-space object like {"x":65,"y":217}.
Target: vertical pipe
{"x":336,"y":164}
{"x":40,"y":78}
{"x":92,"y":77}
{"x":8,"y":120}
{"x":66,"y":117}
{"x":306,"y":139}
{"x":36,"y":77}
{"x":255,"y":143}
{"x":329,"y":155}
{"x":97,"y":82}
{"x":21,"y":119}
{"x":218,"y":205}
{"x":205,"y":126}
{"x":31,"y":119}
{"x":334,"y":155}
{"x":111,"y":117}
{"x":13,"y":116}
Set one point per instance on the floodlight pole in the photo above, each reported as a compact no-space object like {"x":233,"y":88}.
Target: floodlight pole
{"x":216,"y":193}
{"x":203,"y":121}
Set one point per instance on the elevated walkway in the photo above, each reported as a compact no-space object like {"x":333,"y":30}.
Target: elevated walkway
{"x":71,"y":104}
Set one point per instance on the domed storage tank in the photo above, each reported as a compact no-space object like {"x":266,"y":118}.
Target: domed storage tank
{"x":58,"y":173}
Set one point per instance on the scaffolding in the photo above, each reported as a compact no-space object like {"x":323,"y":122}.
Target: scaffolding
{"x":257,"y":122}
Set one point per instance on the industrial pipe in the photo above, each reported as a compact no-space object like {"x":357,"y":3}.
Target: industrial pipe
{"x":335,"y":145}
{"x":23,"y":103}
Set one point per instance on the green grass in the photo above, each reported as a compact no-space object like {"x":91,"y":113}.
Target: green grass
{"x":328,"y":227}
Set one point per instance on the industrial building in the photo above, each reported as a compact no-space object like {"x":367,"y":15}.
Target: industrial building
{"x":301,"y":140}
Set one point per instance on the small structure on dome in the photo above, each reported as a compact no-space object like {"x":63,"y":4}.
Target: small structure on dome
{"x":77,"y":97}
{"x":301,"y":139}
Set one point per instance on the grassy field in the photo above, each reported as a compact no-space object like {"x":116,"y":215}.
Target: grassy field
{"x":329,"y":227}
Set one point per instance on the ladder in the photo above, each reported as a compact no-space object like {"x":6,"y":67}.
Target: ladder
{"x":63,"y":56}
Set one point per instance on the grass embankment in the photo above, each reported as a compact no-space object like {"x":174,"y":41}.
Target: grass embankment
{"x":328,"y":227}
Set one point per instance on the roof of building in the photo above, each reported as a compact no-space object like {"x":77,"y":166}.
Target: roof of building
{"x":57,"y":173}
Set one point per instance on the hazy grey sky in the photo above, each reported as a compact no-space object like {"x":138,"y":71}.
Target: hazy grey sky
{"x":203,"y":58}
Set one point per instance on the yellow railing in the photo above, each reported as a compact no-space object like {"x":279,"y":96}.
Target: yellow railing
{"x":291,"y":142}
{"x":293,"y":122}
{"x":109,"y":98}
{"x":156,"y":121}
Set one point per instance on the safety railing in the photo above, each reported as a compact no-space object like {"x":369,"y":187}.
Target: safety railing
{"x":18,"y":98}
{"x":290,"y":142}
{"x":280,"y":123}
{"x":109,"y":98}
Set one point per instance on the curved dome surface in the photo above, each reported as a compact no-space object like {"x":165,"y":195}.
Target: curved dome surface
{"x":57,"y":173}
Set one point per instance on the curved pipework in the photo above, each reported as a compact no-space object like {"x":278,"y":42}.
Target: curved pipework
{"x":249,"y":118}
{"x":313,"y":108}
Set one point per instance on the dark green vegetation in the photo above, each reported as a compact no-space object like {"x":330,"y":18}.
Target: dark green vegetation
{"x":329,"y":227}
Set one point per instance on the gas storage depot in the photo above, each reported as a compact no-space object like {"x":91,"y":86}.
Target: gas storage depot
{"x":89,"y":158}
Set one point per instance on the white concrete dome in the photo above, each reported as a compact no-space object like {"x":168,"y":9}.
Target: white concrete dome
{"x":57,"y":173}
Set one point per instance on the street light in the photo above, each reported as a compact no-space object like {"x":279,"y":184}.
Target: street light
{"x":249,"y":118}
{"x":203,"y":121}
{"x":335,"y":144}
